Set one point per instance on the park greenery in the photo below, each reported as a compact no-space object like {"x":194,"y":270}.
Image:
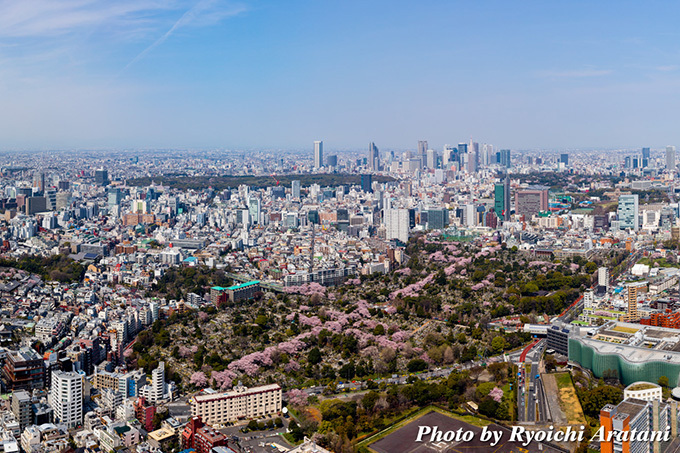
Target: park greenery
{"x":448,"y":306}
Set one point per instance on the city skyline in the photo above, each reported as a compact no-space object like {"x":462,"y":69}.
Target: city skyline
{"x":248,"y":74}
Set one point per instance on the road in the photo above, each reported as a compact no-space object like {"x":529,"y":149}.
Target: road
{"x":531,"y":401}
{"x":358,"y":385}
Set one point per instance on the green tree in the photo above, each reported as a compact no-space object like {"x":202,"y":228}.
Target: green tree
{"x":416,"y":365}
{"x":314,"y":356}
{"x":498,"y":344}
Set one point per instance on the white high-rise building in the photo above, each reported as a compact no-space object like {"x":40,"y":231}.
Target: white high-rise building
{"x":431,"y":159}
{"x":158,"y":390}
{"x":448,"y":157}
{"x":66,"y":398}
{"x":318,"y":154}
{"x":396,"y":224}
{"x":603,"y":277}
{"x":470,"y":215}
{"x":588,"y":299}
{"x":670,"y":157}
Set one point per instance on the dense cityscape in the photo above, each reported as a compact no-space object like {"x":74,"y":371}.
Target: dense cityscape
{"x":164,"y":301}
{"x":256,"y":226}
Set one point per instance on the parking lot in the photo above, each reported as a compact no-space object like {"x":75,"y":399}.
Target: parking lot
{"x":258,"y":441}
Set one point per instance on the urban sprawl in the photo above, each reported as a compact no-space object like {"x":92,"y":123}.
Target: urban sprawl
{"x":217,"y":301}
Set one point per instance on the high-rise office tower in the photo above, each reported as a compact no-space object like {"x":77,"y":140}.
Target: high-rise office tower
{"x":503,"y":158}
{"x":254,"y":208}
{"x":645,"y":153}
{"x":501,"y":204}
{"x":115,"y":196}
{"x":66,"y":398}
{"x":462,"y":148}
{"x":474,"y":146}
{"x":373,"y":157}
{"x":367,"y":183}
{"x":564,"y":158}
{"x":431,"y":158}
{"x":471,"y":161}
{"x":422,"y":148}
{"x":670,"y":157}
{"x":502,"y":199}
{"x":101,"y":177}
{"x":295,"y":188}
{"x":487,"y":152}
{"x":318,"y":154}
{"x":332,"y":160}
{"x":449,"y":156}
{"x":39,"y":181}
{"x":628,"y":212}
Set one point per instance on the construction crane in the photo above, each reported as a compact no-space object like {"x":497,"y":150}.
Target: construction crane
{"x":275,"y":180}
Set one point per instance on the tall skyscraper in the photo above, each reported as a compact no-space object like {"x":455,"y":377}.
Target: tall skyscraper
{"x":254,"y":208}
{"x":318,"y":154}
{"x":502,"y":199}
{"x":422,"y":148}
{"x":645,"y":153}
{"x":505,"y":160}
{"x":449,"y":156}
{"x":471,"y":161}
{"x":462,"y":148}
{"x":332,"y":160}
{"x":373,"y":157}
{"x":628,"y":212}
{"x":39,"y":181}
{"x":295,"y":189}
{"x":66,"y":398}
{"x":367,"y":183}
{"x":564,"y":158}
{"x":487,"y":153}
{"x":670,"y":157}
{"x":474,"y":146}
{"x":431,"y":158}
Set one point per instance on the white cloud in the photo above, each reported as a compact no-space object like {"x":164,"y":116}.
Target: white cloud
{"x":194,"y":14}
{"x":44,"y":18}
{"x":578,"y":73}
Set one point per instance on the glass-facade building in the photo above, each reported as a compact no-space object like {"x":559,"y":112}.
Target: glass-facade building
{"x":616,"y":363}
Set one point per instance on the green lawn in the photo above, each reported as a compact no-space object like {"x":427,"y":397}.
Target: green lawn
{"x":563,"y":380}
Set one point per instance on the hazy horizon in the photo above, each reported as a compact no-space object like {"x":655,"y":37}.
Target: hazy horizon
{"x":208,"y":74}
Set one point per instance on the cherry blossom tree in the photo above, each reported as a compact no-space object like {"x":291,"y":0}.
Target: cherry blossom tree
{"x":198,"y":379}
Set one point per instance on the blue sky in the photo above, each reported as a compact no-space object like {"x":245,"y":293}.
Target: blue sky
{"x":280,"y":74}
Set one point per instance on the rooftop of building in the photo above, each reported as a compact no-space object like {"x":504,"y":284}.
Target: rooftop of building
{"x":637,"y":386}
{"x":243,"y":285}
{"x":237,"y":391}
